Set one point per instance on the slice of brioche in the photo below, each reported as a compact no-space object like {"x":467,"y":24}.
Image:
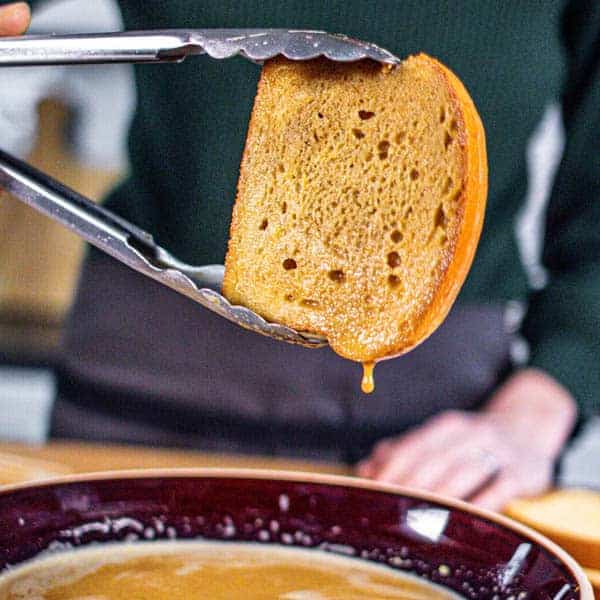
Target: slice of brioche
{"x":360,"y":201}
{"x":594,"y":576}
{"x":569,"y":517}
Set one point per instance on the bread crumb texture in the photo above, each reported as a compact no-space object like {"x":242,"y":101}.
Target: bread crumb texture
{"x":350,"y":201}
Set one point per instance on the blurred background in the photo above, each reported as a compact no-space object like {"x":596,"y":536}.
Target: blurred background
{"x":72,"y":122}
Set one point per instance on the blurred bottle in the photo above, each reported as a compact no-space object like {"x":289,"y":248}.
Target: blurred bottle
{"x":71,"y":122}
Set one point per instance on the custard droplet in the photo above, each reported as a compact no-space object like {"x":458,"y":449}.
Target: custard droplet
{"x":368,"y":382}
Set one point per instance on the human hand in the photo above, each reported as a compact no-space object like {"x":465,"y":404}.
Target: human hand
{"x":14,"y":18}
{"x":506,"y":450}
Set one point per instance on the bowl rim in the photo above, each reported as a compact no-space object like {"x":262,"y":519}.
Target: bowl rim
{"x":586,"y":591}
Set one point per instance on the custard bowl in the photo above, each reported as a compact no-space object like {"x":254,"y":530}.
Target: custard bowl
{"x":475,"y":553}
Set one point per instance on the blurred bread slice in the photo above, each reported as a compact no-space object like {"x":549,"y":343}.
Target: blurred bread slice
{"x":594,"y":576}
{"x":360,"y":201}
{"x":569,"y":517}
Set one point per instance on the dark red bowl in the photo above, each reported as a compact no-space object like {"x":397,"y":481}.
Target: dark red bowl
{"x":476,"y":553}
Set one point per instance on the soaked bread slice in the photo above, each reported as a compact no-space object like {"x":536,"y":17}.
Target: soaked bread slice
{"x":360,"y":201}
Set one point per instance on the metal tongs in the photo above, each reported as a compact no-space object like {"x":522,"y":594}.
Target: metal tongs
{"x":107,"y":231}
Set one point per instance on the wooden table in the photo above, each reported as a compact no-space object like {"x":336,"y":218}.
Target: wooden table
{"x":72,"y":457}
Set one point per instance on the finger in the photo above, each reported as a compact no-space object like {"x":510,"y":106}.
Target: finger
{"x":498,"y":494}
{"x":371,"y":466}
{"x":368,"y":466}
{"x":433,"y":432}
{"x":382,"y":449}
{"x":14,"y":18}
{"x":462,"y":479}
{"x":414,"y":448}
{"x":458,"y":461}
{"x":364,"y":468}
{"x":402,"y":460}
{"x":431,"y":469}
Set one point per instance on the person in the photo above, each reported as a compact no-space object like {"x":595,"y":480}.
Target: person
{"x":454,"y":416}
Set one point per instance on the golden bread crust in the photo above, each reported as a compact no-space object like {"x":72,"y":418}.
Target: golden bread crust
{"x":360,"y":202}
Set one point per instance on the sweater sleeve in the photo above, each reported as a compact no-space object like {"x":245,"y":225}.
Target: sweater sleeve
{"x":563,"y":320}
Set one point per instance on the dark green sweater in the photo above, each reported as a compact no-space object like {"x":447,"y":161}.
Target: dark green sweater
{"x":514,"y":57}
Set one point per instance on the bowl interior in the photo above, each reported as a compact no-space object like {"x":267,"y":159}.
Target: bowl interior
{"x":472,"y":555}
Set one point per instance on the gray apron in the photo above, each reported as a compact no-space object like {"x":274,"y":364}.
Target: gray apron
{"x":145,"y":365}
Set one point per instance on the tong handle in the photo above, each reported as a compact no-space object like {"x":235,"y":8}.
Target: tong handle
{"x":118,"y":47}
{"x":96,"y":224}
{"x":173,"y":45}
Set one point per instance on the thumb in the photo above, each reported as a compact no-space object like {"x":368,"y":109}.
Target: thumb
{"x":14,"y":18}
